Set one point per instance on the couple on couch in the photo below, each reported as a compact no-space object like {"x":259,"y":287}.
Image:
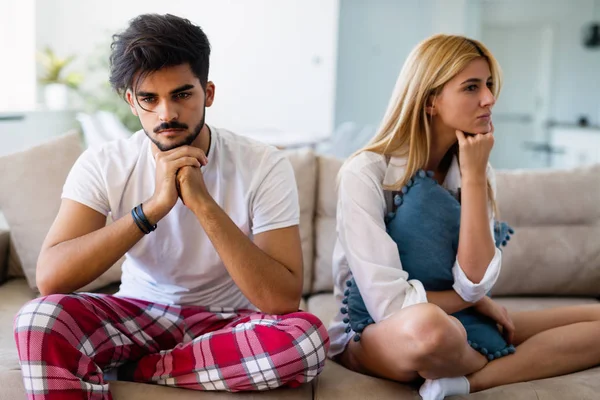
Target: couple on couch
{"x":208,"y":222}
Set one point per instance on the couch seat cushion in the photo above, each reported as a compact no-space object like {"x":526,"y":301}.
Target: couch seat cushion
{"x":13,"y":295}
{"x":323,"y":306}
{"x":12,"y":388}
{"x":539,"y":303}
{"x":584,"y":385}
{"x":338,"y":382}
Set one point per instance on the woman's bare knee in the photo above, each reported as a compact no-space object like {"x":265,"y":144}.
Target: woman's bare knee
{"x":417,"y":338}
{"x":431,"y":330}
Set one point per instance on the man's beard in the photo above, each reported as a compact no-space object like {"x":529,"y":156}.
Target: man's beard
{"x":188,"y":140}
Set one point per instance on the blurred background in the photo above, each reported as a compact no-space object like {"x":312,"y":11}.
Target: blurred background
{"x":310,"y":72}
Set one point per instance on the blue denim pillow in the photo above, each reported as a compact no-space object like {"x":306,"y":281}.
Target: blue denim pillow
{"x":425,"y":227}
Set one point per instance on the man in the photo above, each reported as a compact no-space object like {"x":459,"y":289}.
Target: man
{"x":209,"y":224}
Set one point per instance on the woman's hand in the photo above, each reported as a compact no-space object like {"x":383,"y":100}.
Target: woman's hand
{"x":474,"y":153}
{"x":490,"y":308}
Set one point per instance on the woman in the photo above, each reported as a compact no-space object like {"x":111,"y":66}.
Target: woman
{"x":439,"y":119}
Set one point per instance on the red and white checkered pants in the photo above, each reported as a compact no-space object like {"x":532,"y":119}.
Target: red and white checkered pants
{"x":66,"y":342}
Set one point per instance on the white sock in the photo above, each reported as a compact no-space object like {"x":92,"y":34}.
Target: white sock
{"x":438,"y":389}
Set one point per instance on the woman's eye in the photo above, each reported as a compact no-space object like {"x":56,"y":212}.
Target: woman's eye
{"x":148,"y":100}
{"x":490,"y":84}
{"x":471,"y":88}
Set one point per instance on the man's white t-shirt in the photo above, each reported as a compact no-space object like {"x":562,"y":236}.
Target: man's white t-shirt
{"x":177,"y":263}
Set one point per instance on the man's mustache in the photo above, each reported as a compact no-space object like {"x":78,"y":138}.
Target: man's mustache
{"x":170,"y":125}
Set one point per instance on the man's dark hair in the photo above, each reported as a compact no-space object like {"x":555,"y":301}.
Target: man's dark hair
{"x":152,"y":42}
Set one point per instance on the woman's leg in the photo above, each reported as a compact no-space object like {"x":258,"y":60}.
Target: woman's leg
{"x":550,"y":343}
{"x":530,"y":323}
{"x":421,"y":340}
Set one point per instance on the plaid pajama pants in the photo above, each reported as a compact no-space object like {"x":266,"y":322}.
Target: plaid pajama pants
{"x":66,"y":342}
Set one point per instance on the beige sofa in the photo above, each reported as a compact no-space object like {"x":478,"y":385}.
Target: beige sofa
{"x":552,"y":260}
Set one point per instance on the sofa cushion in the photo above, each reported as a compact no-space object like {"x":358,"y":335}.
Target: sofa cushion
{"x":556,"y":215}
{"x":324,"y":306}
{"x":4,"y":243}
{"x":13,"y":295}
{"x":15,"y":269}
{"x":549,"y":197}
{"x":325,"y":222}
{"x":551,"y":260}
{"x":13,"y":388}
{"x":337,"y":382}
{"x":30,"y":194}
{"x":10,"y":266}
{"x":304,"y":163}
{"x":583,"y":385}
{"x":516,"y":304}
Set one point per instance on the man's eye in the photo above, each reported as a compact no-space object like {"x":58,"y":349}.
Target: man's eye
{"x":148,"y":100}
{"x":182,"y":96}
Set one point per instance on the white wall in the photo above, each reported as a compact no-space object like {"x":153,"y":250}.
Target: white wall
{"x":375,"y":37}
{"x":273,"y":62}
{"x":575,"y":89}
{"x":17,"y":55}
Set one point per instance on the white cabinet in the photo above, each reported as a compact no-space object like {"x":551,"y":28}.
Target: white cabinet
{"x":21,"y":130}
{"x":575,"y":146}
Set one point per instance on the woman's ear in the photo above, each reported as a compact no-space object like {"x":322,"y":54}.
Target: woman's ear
{"x":430,"y":105}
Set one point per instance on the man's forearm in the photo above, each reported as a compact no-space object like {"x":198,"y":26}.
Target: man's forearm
{"x":267,"y":283}
{"x":72,"y":264}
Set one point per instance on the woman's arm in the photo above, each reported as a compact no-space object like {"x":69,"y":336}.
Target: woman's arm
{"x":448,"y":300}
{"x":370,"y":252}
{"x":476,"y":247}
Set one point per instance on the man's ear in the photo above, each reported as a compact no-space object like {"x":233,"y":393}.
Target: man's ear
{"x":209,"y":94}
{"x":130,"y":100}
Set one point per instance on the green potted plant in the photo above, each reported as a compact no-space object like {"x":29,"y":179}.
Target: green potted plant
{"x":56,"y":81}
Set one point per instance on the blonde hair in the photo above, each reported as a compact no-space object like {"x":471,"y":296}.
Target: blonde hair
{"x":405,"y":130}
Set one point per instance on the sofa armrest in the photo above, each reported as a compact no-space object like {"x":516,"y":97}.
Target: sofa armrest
{"x":4,"y":246}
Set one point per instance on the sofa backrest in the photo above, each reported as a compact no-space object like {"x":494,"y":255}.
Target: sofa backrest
{"x":304,"y":162}
{"x":556,"y":216}
{"x":556,"y":246}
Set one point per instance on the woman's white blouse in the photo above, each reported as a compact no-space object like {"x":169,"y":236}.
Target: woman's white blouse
{"x":364,"y":247}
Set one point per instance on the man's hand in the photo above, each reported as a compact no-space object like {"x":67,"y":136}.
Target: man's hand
{"x":490,"y":308}
{"x":191,"y":187}
{"x":168,"y":164}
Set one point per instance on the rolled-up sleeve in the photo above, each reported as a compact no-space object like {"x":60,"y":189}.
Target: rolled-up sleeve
{"x":371,"y":253}
{"x":473,"y":292}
